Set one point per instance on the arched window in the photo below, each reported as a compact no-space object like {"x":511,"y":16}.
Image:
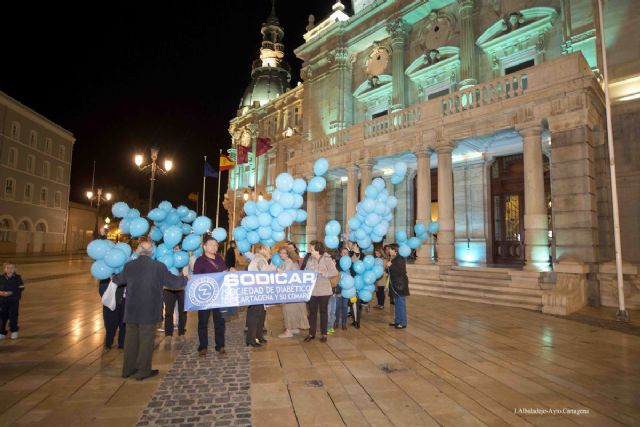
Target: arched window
{"x":31,"y":163}
{"x":12,"y":158}
{"x":28,"y":192}
{"x":61,"y":152}
{"x":48,"y":145}
{"x":15,"y":131}
{"x":9,"y":188}
{"x":44,"y":196}
{"x":24,"y":225}
{"x":33,"y":139}
{"x":57,"y":199}
{"x":46,"y":169}
{"x":59,"y":174}
{"x":6,"y":228}
{"x":42,"y":227}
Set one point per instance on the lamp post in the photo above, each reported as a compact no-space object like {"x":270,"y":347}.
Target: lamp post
{"x":153,"y":166}
{"x":98,"y":198}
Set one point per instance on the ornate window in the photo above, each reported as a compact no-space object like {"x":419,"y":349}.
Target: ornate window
{"x":33,"y":139}
{"x":9,"y":188}
{"x":46,"y":169}
{"x":28,"y":192}
{"x":436,"y":72}
{"x":44,"y":196}
{"x":15,"y":130}
{"x":31,"y":163}
{"x":12,"y":158}
{"x":48,"y":145}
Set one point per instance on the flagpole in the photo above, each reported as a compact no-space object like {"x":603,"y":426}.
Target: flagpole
{"x":235,"y":192}
{"x":218,"y":197}
{"x":204,"y":183}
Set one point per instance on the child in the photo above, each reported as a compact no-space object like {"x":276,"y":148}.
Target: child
{"x":11,"y":288}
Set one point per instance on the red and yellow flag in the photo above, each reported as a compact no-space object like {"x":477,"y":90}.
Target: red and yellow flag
{"x":226,"y":163}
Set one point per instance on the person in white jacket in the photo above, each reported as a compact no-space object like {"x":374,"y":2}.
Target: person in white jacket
{"x":322,"y":263}
{"x":256,"y":314}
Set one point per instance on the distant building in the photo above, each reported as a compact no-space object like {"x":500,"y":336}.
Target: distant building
{"x":496,"y":107}
{"x":82,"y":220}
{"x":35,"y":169}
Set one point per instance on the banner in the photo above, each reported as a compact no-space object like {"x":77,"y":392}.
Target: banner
{"x":239,"y":288}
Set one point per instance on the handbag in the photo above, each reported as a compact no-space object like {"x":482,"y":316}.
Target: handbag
{"x":109,"y":296}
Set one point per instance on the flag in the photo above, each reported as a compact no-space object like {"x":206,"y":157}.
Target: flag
{"x":209,"y":170}
{"x":193,"y":197}
{"x":226,"y":163}
{"x":242,"y":154}
{"x":262,"y":146}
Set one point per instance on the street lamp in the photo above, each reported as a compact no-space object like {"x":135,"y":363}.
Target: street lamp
{"x":153,"y":166}
{"x":98,"y":198}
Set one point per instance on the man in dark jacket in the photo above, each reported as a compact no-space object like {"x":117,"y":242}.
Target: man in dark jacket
{"x":113,"y":320}
{"x":398,"y":285}
{"x":145,"y":279}
{"x":11,"y":288}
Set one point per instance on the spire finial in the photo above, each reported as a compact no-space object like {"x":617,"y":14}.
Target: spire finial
{"x":273,"y":19}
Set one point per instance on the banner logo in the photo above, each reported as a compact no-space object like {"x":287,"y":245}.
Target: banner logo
{"x":204,"y":290}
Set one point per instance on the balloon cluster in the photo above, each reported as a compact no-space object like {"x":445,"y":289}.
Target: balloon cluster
{"x":179,"y":226}
{"x":266,"y":220}
{"x":373,"y":216}
{"x":331,"y":232}
{"x":400,"y":171}
{"x":407,"y":244}
{"x":362,"y":284}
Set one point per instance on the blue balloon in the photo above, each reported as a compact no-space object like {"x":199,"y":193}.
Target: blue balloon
{"x":404,"y":251}
{"x":165,"y":205}
{"x":132,"y":213}
{"x":138,"y":227}
{"x":401,"y":236}
{"x":396,"y":179}
{"x":119,"y":209}
{"x":352,"y":236}
{"x":287,"y":200}
{"x":264,"y":219}
{"x":371,"y":192}
{"x":276,"y":260}
{"x":372,"y":219}
{"x":381,"y":208}
{"x":317,"y":184}
{"x":378,"y":270}
{"x":253,"y":237}
{"x":182,"y":211}
{"x":392,"y":202}
{"x":198,"y":252}
{"x":172,"y":218}
{"x":191,"y":242}
{"x":186,"y":229}
{"x":172,"y":236}
{"x":345,"y":263}
{"x":365,"y":244}
{"x":414,"y":243}
{"x":219,"y":234}
{"x":434,"y":227}
{"x":369,"y":262}
{"x":161,"y":251}
{"x":298,"y":201}
{"x":368,"y":205}
{"x":284,"y":182}
{"x":381,"y":229}
{"x":180,"y":259}
{"x":174,"y":271}
{"x":239,"y":233}
{"x":360,"y":234}
{"x":420,"y":228}
{"x":275,"y":209}
{"x":250,"y":222}
{"x":301,"y":215}
{"x":365,"y":296}
{"x":268,"y":242}
{"x":115,"y":257}
{"x":157,"y":214}
{"x":278,"y":236}
{"x":346,"y":282}
{"x":243,"y":246}
{"x":264,"y":233}
{"x":201,"y":225}
{"x":262,"y":206}
{"x":400,"y":168}
{"x":156,"y":234}
{"x":275,"y":225}
{"x":332,"y":228}
{"x":358,"y":267}
{"x":191,"y":216}
{"x":250,"y":207}
{"x":348,"y":293}
{"x":321,"y":166}
{"x":124,"y":248}
{"x":379,"y":184}
{"x":376,"y":238}
{"x":100,"y":270}
{"x":97,"y":249}
{"x":354,"y":223}
{"x":276,"y":195}
{"x":369,"y":277}
{"x":285,"y":219}
{"x":299,"y":186}
{"x":423,"y":236}
{"x":358,"y":282}
{"x":167,"y":259}
{"x":332,"y":242}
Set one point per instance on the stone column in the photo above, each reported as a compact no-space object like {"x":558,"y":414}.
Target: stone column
{"x":366,"y":169}
{"x":536,"y":230}
{"x":446,"y":250}
{"x":467,"y":45}
{"x":398,"y":31}
{"x":352,"y":195}
{"x":423,"y":209}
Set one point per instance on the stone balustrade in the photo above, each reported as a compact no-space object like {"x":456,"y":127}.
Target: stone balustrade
{"x":392,"y":122}
{"x":496,"y":90}
{"x":331,"y":141}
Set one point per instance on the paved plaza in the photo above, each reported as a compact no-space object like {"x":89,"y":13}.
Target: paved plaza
{"x":458,"y":363}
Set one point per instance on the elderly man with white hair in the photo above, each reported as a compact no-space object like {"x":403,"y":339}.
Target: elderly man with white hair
{"x":145,"y":279}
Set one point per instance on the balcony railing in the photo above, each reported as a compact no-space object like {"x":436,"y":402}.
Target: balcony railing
{"x":484,"y":94}
{"x":391,"y":122}
{"x":334,"y":140}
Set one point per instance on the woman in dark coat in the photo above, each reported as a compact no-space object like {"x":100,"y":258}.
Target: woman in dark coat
{"x":398,"y":286}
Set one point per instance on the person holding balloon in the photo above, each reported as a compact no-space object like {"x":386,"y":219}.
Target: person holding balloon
{"x":381,"y":283}
{"x":294,"y":313}
{"x":355,"y":304}
{"x":173,"y":297}
{"x":322,"y":263}
{"x":398,"y":285}
{"x":342,"y":303}
{"x":257,"y":313}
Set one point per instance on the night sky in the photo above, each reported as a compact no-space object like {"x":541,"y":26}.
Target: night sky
{"x":123,"y":76}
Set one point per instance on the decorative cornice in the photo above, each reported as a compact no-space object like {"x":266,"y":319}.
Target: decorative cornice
{"x":398,"y":29}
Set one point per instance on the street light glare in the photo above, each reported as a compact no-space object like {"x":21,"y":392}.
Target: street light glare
{"x":168,"y":165}
{"x":138,"y":159}
{"x":108,"y":196}
{"x":245,"y":196}
{"x":89,"y":194}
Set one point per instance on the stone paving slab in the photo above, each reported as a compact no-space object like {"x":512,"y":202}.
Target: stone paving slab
{"x":205,"y":391}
